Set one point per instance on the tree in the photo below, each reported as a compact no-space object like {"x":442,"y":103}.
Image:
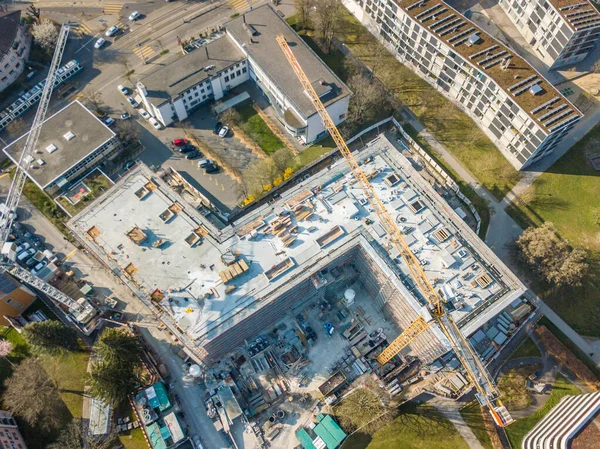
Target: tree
{"x":368,"y":98}
{"x":94,"y":98}
{"x":327,"y":19}
{"x":33,"y":13}
{"x":6,"y":348}
{"x":17,"y":127}
{"x":283,"y":159}
{"x":127,"y":131}
{"x":230,"y":115}
{"x":363,"y":408}
{"x":45,"y":34}
{"x":112,"y":382}
{"x":50,"y":337}
{"x":75,"y":436}
{"x":115,"y":346}
{"x":303,"y":12}
{"x":551,"y":257}
{"x":32,"y":396}
{"x":377,"y":56}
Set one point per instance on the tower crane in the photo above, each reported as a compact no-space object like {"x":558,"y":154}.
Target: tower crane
{"x":487,"y":393}
{"x":81,"y":312}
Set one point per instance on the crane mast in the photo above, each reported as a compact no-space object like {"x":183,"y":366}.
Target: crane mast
{"x":18,"y":183}
{"x":487,"y":394}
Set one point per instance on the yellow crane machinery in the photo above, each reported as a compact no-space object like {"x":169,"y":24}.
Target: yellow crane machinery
{"x":487,"y":394}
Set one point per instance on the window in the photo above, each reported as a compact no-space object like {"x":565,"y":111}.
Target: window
{"x":226,"y":78}
{"x":342,"y":116}
{"x":196,"y":94}
{"x":8,"y":300}
{"x":201,"y":91}
{"x":243,"y":69}
{"x":232,"y":76}
{"x":238,"y":73}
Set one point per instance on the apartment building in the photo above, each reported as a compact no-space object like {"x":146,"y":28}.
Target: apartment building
{"x":248,"y":52}
{"x":10,"y":436}
{"x":521,"y":112}
{"x":15,"y":44}
{"x":71,"y":143}
{"x":560,"y":31}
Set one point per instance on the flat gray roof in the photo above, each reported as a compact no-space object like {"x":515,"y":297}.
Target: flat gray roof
{"x":182,"y":72}
{"x":264,"y":50}
{"x":89,"y":133}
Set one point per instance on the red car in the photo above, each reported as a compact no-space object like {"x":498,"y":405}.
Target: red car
{"x":180,"y":142}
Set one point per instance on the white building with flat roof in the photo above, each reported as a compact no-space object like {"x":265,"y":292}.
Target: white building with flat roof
{"x":248,"y":51}
{"x":519,"y":110}
{"x":561,"y":32}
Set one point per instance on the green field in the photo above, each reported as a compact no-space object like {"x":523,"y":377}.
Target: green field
{"x":417,"y":427}
{"x":445,"y":121}
{"x":568,"y":195}
{"x":471,"y":413}
{"x":257,"y":129}
{"x":516,"y":431}
{"x":527,"y":349}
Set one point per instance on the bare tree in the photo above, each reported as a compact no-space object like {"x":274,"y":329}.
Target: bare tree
{"x":75,"y":436}
{"x":45,"y":34}
{"x":230,"y":115}
{"x":33,"y":396}
{"x":327,"y":19}
{"x":17,"y":127}
{"x":283,"y":159}
{"x":33,"y":13}
{"x":127,"y":131}
{"x":368,"y":98}
{"x":377,"y":56}
{"x":94,"y":98}
{"x":303,"y":12}
{"x":552,"y":257}
{"x":365,"y":409}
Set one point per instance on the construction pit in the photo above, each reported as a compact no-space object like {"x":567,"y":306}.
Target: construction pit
{"x":247,"y":299}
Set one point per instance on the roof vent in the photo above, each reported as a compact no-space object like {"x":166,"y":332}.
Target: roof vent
{"x":41,"y":161}
{"x":517,"y":77}
{"x":51,"y":148}
{"x":535,"y":90}
{"x":69,"y":135}
{"x":473,"y":39}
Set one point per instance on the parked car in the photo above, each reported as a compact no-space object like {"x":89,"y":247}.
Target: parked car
{"x":155,"y":123}
{"x":180,"y":142}
{"x":197,"y":442}
{"x":223,"y":131}
{"x":39,"y":267}
{"x":193,"y":155}
{"x":112,"y":31}
{"x":26,"y":254}
{"x":134,"y":16}
{"x":132,"y":102}
{"x":127,"y":166}
{"x":99,"y":43}
{"x":31,"y":262}
{"x":125,"y":116}
{"x":144,"y":113}
{"x":123,"y":89}
{"x":211,"y":168}
{"x":217,"y":127}
{"x":204,"y":162}
{"x":186,"y":148}
{"x":23,"y":247}
{"x":28,"y":235}
{"x":109,"y":121}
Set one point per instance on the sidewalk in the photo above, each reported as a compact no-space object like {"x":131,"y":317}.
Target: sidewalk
{"x":450,"y":409}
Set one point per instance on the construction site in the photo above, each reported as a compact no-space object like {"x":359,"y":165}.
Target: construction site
{"x":303,"y":294}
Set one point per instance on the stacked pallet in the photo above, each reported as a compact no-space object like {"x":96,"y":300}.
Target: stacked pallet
{"x":234,"y":270}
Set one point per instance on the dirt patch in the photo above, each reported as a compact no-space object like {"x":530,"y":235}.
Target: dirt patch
{"x":514,"y":391}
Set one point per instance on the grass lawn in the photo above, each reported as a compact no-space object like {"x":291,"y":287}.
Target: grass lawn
{"x":567,"y":195}
{"x":47,"y":207}
{"x":517,"y":430}
{"x":97,"y":182}
{"x":19,"y":352}
{"x":69,"y":371}
{"x":444,"y":120}
{"x":527,"y":349}
{"x":418,"y":427}
{"x":314,"y":152}
{"x":471,"y":413}
{"x":134,"y":439}
{"x":258,"y":130}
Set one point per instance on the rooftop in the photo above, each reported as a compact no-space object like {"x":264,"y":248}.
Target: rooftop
{"x":512,"y":73}
{"x":257,"y":29}
{"x":9,"y":25}
{"x":208,"y":282}
{"x":579,"y":14}
{"x":65,"y":139}
{"x":180,"y":73}
{"x":7,"y":284}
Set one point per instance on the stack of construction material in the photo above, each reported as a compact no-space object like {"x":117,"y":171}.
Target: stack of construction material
{"x":234,"y":270}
